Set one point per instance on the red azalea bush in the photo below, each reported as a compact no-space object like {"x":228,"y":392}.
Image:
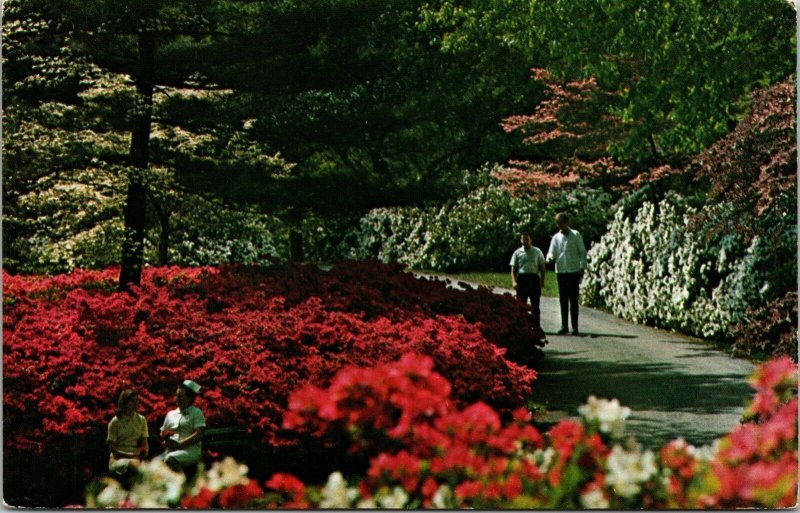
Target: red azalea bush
{"x":428,"y":453}
{"x":250,"y":336}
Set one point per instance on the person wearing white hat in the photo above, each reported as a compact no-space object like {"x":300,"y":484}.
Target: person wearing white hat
{"x":183,"y":428}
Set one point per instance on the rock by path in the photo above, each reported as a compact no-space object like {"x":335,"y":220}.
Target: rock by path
{"x":674,"y":385}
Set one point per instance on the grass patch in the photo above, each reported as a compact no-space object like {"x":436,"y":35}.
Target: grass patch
{"x":502,"y":280}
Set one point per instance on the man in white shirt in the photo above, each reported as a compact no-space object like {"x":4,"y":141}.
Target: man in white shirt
{"x":569,"y":254}
{"x":527,"y":272}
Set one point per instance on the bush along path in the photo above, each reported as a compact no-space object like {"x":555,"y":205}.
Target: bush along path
{"x":673,"y":384}
{"x":424,"y":452}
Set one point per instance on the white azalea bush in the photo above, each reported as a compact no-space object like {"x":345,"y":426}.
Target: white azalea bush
{"x":206,"y":234}
{"x":78,"y":223}
{"x":658,"y":268}
{"x":476,"y":231}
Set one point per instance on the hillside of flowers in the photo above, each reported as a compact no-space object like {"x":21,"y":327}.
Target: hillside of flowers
{"x":426,"y":452}
{"x":252,"y":336}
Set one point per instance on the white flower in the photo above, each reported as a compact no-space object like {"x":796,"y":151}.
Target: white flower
{"x":594,"y":499}
{"x":394,"y":500}
{"x":111,"y":496}
{"x":223,"y":474}
{"x":366,"y":504}
{"x":159,"y":487}
{"x":335,"y":492}
{"x":443,"y":498}
{"x":543,"y":458}
{"x":628,"y":469}
{"x":704,"y":453}
{"x":610,"y":414}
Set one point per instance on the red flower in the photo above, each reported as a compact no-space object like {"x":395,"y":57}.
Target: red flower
{"x":512,"y":487}
{"x":254,"y":340}
{"x":774,"y":373}
{"x":402,"y":467}
{"x":742,"y":443}
{"x":240,"y":496}
{"x":203,"y":500}
{"x":428,"y":490}
{"x":565,"y":436}
{"x":468,"y":490}
{"x":292,"y":488}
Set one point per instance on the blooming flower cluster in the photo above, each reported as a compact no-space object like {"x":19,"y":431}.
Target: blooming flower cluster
{"x":250,"y":336}
{"x":476,"y":231}
{"x":656,"y":268}
{"x":426,"y":452}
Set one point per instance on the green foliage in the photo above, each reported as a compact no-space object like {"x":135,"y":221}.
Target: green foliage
{"x":476,"y":232}
{"x":372,"y":102}
{"x":67,"y":128}
{"x":683,"y":69}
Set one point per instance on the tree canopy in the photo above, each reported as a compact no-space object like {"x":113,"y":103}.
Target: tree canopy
{"x":122,"y":117}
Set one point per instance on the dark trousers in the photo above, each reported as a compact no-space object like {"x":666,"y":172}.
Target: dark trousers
{"x":568,"y":284}
{"x":528,"y":286}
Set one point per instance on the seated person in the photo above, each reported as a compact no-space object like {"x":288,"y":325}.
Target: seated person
{"x":127,"y":434}
{"x":183,"y":429}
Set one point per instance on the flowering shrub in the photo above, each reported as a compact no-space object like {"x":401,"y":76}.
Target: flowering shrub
{"x":654,"y":269}
{"x":771,"y":328}
{"x":756,"y":164}
{"x":477,"y":231}
{"x":249,"y":335}
{"x":425,"y":452}
{"x":711,"y":269}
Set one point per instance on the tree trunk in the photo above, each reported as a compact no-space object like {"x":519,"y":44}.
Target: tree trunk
{"x":296,"y":245}
{"x":136,"y":201}
{"x":162,"y":214}
{"x":653,"y":146}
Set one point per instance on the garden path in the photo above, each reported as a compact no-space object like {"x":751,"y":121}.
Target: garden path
{"x":675,"y":386}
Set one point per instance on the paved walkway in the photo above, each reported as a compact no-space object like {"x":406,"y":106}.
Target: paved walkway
{"x":674,"y":385}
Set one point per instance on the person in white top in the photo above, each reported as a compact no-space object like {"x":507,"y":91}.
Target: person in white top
{"x":527,"y":272}
{"x":183,"y":429}
{"x":569,"y":254}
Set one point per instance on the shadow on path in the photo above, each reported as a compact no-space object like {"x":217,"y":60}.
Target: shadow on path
{"x":588,"y":334}
{"x":564,"y":383}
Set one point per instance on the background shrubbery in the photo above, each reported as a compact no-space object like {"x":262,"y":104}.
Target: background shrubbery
{"x":718,"y":259}
{"x":476,"y":231}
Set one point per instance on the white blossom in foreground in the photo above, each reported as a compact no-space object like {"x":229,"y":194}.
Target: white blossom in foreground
{"x":594,"y":499}
{"x":543,"y":458}
{"x":110,"y":497}
{"x":223,"y":474}
{"x":627,"y":470}
{"x":610,"y":415}
{"x":396,"y":499}
{"x":443,"y":498}
{"x":160,"y":486}
{"x":336,"y":494}
{"x":705,"y":452}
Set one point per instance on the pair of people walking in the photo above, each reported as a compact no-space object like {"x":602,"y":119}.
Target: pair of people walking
{"x":528,"y":271}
